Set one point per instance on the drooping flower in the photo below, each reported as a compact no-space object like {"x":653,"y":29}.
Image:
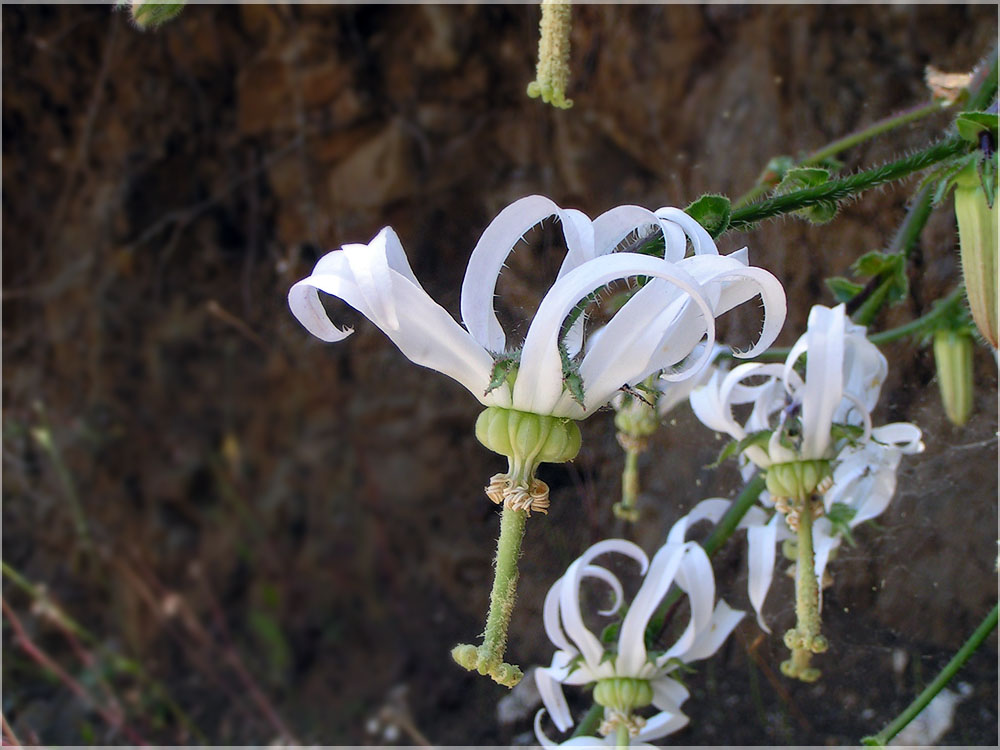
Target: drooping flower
{"x":654,"y":331}
{"x":629,"y":675}
{"x":535,"y":391}
{"x":826,"y":468}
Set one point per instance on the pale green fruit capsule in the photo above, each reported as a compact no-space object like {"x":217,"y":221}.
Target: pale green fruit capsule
{"x":797,"y":479}
{"x":623,"y":694}
{"x":953,"y":357}
{"x":528,"y":438}
{"x":977,"y":236}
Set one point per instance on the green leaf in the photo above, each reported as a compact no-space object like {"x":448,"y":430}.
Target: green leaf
{"x":807,"y":177}
{"x":849,"y":432}
{"x":890,"y":267}
{"x":712,"y":212}
{"x":840,"y":517}
{"x":776,"y":170}
{"x":803,"y":177}
{"x":842,"y":289}
{"x":735,"y":447}
{"x":971,"y":124}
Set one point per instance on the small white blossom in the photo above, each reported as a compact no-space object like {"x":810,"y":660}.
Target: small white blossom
{"x":844,"y":376}
{"x":582,"y":658}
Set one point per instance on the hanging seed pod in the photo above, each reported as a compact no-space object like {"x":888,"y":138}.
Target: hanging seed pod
{"x":953,"y":358}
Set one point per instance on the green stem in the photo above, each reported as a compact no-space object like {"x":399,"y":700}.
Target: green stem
{"x":835,"y":190}
{"x":621,"y":736}
{"x":626,"y":509}
{"x":909,"y":231}
{"x":983,"y":96}
{"x":910,"y":713}
{"x":488,"y":658}
{"x":805,"y":639}
{"x":590,"y":723}
{"x":875,"y":129}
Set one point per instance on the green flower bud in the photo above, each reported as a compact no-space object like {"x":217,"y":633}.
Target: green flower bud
{"x":526,"y":438}
{"x":953,"y":357}
{"x":797,"y":479}
{"x":148,"y":14}
{"x":636,"y":418}
{"x":977,"y":236}
{"x":623,"y":694}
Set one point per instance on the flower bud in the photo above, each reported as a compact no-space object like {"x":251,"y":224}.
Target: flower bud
{"x":152,"y":13}
{"x":636,"y":418}
{"x":953,"y":357}
{"x":977,"y":236}
{"x":796,"y":479}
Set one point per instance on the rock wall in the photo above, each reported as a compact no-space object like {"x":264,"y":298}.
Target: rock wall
{"x":318,"y":508}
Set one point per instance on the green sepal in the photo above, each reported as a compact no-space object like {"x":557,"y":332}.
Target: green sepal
{"x":735,"y":447}
{"x":971,"y":124}
{"x":712,"y":212}
{"x":842,"y":289}
{"x":572,"y":380}
{"x":610,"y":633}
{"x":840,"y":517}
{"x":849,"y":432}
{"x":504,"y":367}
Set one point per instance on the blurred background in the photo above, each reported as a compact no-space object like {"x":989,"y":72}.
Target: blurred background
{"x":218,"y":529}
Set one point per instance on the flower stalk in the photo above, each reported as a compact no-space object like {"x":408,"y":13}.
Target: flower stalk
{"x":805,"y":639}
{"x":487,"y":659}
{"x":835,"y":190}
{"x":897,"y":725}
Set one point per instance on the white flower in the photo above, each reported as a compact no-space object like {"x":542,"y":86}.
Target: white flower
{"x":582,"y":658}
{"x":656,"y":329}
{"x":844,"y":374}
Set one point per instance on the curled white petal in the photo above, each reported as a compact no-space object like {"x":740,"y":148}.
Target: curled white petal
{"x":552,"y":696}
{"x":423,"y":330}
{"x":490,"y":253}
{"x":761,"y":557}
{"x":539,"y":383}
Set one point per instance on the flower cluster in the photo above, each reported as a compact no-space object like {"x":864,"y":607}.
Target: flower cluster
{"x":627,"y":674}
{"x":827,"y":469}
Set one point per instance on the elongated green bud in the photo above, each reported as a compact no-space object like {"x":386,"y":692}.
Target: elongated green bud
{"x":953,"y":357}
{"x":636,"y":418}
{"x":977,"y":236}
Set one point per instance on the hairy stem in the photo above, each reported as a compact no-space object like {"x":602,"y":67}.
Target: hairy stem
{"x":836,"y":190}
{"x":487,"y":659}
{"x":805,"y":639}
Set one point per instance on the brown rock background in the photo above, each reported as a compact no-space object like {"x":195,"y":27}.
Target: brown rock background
{"x":313,"y":515}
